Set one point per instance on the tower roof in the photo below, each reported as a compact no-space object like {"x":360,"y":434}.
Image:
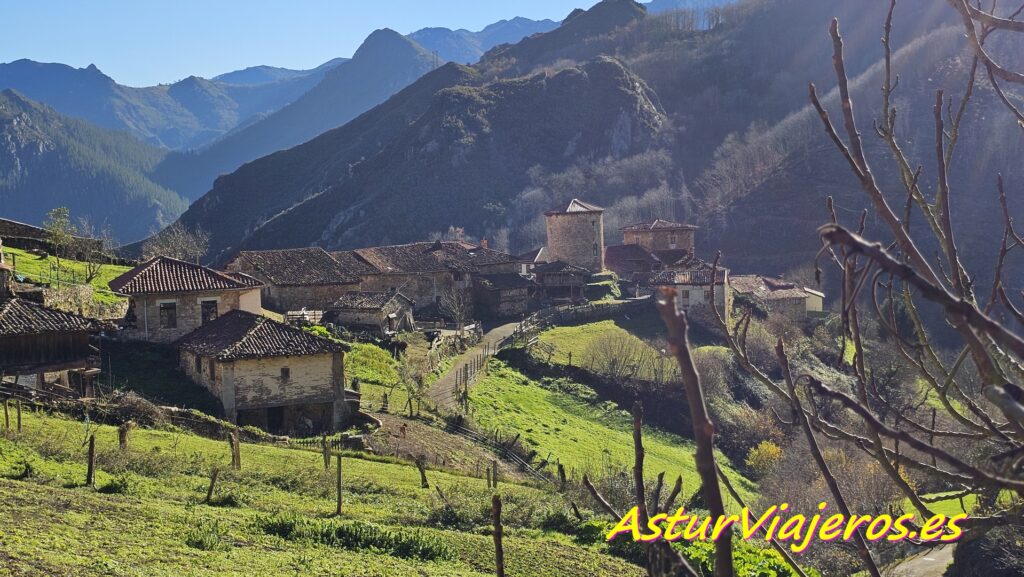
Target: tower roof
{"x":577,"y":205}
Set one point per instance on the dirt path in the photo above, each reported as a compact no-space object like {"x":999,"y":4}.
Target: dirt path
{"x":443,"y":391}
{"x":931,"y":563}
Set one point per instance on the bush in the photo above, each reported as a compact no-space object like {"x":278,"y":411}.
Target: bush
{"x":123,"y":484}
{"x":207,"y":535}
{"x":233,"y":497}
{"x":356,"y":535}
{"x":763,"y":458}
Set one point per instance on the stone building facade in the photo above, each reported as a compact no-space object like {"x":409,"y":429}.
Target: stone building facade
{"x":778,"y":295}
{"x":169,"y":298}
{"x":379,"y":313}
{"x":503,"y":295}
{"x":576,"y":235}
{"x":658,"y":235}
{"x":270,"y":375}
{"x":294,"y":279}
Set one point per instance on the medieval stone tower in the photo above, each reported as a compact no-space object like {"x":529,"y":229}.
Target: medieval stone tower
{"x":576,"y":235}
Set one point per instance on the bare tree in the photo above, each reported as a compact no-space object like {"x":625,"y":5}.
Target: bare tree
{"x":456,"y":304}
{"x":897,"y":282}
{"x":177,"y":241}
{"x":94,"y":244}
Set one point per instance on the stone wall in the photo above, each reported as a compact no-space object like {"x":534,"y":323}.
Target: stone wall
{"x":311,"y":297}
{"x":660,"y":239}
{"x":576,"y":238}
{"x":187,"y":312}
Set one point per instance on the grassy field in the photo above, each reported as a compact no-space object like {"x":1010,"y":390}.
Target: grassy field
{"x":147,"y":516}
{"x":72,"y":272}
{"x":585,"y":437}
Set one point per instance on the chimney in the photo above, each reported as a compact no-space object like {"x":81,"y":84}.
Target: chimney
{"x":484,"y":244}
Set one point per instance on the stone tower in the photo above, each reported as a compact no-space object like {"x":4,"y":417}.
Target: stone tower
{"x":576,"y":235}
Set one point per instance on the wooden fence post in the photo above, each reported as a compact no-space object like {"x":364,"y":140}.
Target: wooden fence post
{"x":325,"y":448}
{"x":122,"y":434}
{"x":7,"y":417}
{"x":337,"y":510}
{"x":213,"y":484}
{"x":423,"y":472}
{"x":17,"y":408}
{"x":236,"y":449}
{"x":494,"y":473}
{"x":561,"y":477}
{"x":90,"y":472}
{"x":499,"y":551}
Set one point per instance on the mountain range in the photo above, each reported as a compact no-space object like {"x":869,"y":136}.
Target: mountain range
{"x":49,"y":160}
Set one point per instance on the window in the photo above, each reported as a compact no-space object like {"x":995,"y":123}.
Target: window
{"x":207,"y":311}
{"x":595,"y":249}
{"x":213,"y":368}
{"x":286,"y":374}
{"x":169,"y":315}
{"x":707,"y":295}
{"x":673,"y":240}
{"x":199,"y":365}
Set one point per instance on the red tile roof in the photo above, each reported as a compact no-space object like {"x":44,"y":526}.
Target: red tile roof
{"x":368,"y":300}
{"x":244,"y":335}
{"x":299,"y":267}
{"x":434,"y":256}
{"x":163,"y":274}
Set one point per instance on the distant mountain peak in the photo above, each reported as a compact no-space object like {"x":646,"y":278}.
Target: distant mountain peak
{"x":383,"y":42}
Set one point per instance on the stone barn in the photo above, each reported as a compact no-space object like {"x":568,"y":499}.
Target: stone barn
{"x":576,"y":235}
{"x":561,"y":280}
{"x":270,"y":375}
{"x":502,"y":295}
{"x":169,"y":298}
{"x":297,"y":278}
{"x":778,"y":295}
{"x":382,"y":313}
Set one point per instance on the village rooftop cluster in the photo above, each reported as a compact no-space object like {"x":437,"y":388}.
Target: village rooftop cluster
{"x":273,"y":375}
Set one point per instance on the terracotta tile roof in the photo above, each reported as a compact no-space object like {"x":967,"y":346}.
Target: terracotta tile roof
{"x":434,"y":256}
{"x":658,"y":224}
{"x":20,"y":317}
{"x":168,"y":275}
{"x":626,"y":259}
{"x":243,"y":278}
{"x":577,"y":205}
{"x":675,"y":257}
{"x":695,"y":277}
{"x":353,"y":263}
{"x":534,"y":256}
{"x":503,"y":281}
{"x":244,"y":335}
{"x":299,"y":267}
{"x":368,"y":300}
{"x":767,"y":288}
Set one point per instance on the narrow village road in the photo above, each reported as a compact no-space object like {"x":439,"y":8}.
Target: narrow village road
{"x":929,"y":564}
{"x":443,"y":392}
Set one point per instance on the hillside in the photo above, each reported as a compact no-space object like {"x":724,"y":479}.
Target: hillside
{"x":49,"y":160}
{"x":262,"y":74}
{"x":385,"y":63}
{"x":189,"y":113}
{"x":466,"y":47}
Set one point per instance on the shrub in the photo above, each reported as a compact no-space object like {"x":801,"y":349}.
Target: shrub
{"x":207,"y":535}
{"x":559,"y":520}
{"x":123,"y":484}
{"x":356,"y":535}
{"x":233,"y":497}
{"x":763,"y":458}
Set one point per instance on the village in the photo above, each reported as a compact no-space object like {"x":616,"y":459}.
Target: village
{"x":238,"y":332}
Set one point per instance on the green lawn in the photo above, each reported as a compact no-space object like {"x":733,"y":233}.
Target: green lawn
{"x":53,"y":525}
{"x":585,"y":437}
{"x":72,"y":272}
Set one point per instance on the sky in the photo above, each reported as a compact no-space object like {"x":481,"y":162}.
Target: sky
{"x":147,"y":42}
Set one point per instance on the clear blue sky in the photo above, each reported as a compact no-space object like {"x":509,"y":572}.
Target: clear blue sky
{"x":145,"y":42}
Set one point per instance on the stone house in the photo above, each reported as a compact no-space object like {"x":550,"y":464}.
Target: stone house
{"x":425,"y":271}
{"x":778,"y":295}
{"x":660,"y":234}
{"x":502,"y":295}
{"x":576,"y":235}
{"x":694,"y":287}
{"x":533,"y":258}
{"x":270,"y":375}
{"x":169,"y":298}
{"x":298,"y":278}
{"x":381,"y":313}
